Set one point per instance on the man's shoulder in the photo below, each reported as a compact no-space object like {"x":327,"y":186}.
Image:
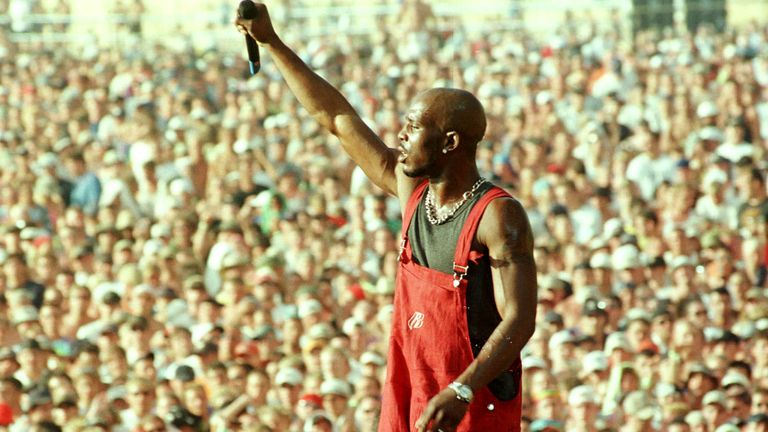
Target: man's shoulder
{"x":504,"y":218}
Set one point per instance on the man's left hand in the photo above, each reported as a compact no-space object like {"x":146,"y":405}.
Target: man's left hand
{"x":443,"y":413}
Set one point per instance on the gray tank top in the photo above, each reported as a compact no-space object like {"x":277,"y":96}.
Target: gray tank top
{"x":434,"y":246}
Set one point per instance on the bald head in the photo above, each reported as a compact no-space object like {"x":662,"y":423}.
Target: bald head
{"x":455,"y":110}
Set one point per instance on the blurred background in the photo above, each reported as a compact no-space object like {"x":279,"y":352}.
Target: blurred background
{"x":75,"y":22}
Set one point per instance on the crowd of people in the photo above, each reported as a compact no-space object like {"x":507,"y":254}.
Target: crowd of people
{"x":183,"y":249}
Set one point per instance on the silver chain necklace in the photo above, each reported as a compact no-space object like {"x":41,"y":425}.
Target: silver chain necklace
{"x":437,"y":216}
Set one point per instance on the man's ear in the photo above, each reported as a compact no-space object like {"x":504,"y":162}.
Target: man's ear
{"x":452,"y":140}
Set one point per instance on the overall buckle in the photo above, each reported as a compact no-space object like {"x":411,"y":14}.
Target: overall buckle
{"x":459,"y":271}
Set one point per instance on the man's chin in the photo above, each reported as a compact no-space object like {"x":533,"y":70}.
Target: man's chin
{"x":412,"y":174}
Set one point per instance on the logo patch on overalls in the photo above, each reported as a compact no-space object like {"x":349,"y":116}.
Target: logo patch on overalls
{"x":416,"y":321}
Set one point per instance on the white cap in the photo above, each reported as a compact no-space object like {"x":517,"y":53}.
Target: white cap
{"x":581,"y":395}
{"x":288,"y":375}
{"x":594,"y":361}
{"x":335,"y":387}
{"x":181,"y":185}
{"x":728,"y":427}
{"x":241,"y":146}
{"x":711,"y":133}
{"x":530,"y":362}
{"x":636,"y":314}
{"x":616,"y":340}
{"x":561,"y":337}
{"x":664,"y":389}
{"x":350,"y":324}
{"x":176,"y":123}
{"x":24,"y":314}
{"x":707,"y":109}
{"x":681,"y":261}
{"x":600,"y":260}
{"x":160,"y":230}
{"x":638,"y":404}
{"x":694,"y":418}
{"x":309,"y":307}
{"x":714,"y":397}
{"x":47,"y":160}
{"x":543,"y":97}
{"x":734,"y":378}
{"x":320,"y":331}
{"x":626,"y":257}
{"x":372,"y":357}
{"x":612,"y":227}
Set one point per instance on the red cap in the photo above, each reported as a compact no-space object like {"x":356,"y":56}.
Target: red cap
{"x":313,"y":398}
{"x":648,"y":345}
{"x":555,"y":168}
{"x":246,"y":349}
{"x":6,"y":414}
{"x":357,"y":291}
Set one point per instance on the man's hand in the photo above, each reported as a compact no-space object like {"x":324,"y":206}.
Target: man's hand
{"x":444,"y":412}
{"x":259,"y":28}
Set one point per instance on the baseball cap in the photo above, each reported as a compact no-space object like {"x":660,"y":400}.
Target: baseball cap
{"x":694,"y":418}
{"x":664,"y":389}
{"x":335,"y":387}
{"x":594,"y":361}
{"x":562,"y":337}
{"x":626,"y":257}
{"x":714,"y":397}
{"x":728,"y":427}
{"x":681,"y":261}
{"x":616,"y":340}
{"x":25,"y":314}
{"x":700,"y":368}
{"x":309,"y":307}
{"x":531,"y":362}
{"x":639,"y":404}
{"x":581,"y":395}
{"x":734,"y":378}
{"x":350,"y":324}
{"x":321,"y":331}
{"x":6,"y":414}
{"x":371,"y":357}
{"x":638,"y":314}
{"x":600,"y":260}
{"x":232,"y":260}
{"x":707,"y":109}
{"x":288,"y":375}
{"x":711,"y":133}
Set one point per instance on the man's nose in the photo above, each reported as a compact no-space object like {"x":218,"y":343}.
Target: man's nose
{"x":402,"y":136}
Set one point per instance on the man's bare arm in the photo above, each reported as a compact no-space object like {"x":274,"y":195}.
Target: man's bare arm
{"x":326,"y":105}
{"x":506,"y":232}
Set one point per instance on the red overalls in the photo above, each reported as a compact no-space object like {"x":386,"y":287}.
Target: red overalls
{"x":429,"y":345}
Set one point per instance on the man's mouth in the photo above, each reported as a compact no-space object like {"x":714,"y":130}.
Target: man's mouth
{"x":403,"y":154}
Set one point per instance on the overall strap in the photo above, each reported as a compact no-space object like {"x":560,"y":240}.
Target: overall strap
{"x":412,"y":205}
{"x":410,"y":209}
{"x":464,"y":245}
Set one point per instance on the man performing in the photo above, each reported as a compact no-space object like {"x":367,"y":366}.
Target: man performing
{"x":465,"y":300}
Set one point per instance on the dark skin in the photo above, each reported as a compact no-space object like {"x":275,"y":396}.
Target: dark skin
{"x":438,"y":142}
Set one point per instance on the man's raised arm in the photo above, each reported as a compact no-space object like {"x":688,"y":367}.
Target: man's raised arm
{"x":326,"y":104}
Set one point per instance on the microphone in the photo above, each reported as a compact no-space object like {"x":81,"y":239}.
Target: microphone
{"x":247,"y":10}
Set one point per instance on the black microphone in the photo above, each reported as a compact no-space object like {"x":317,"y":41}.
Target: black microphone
{"x":247,"y":10}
